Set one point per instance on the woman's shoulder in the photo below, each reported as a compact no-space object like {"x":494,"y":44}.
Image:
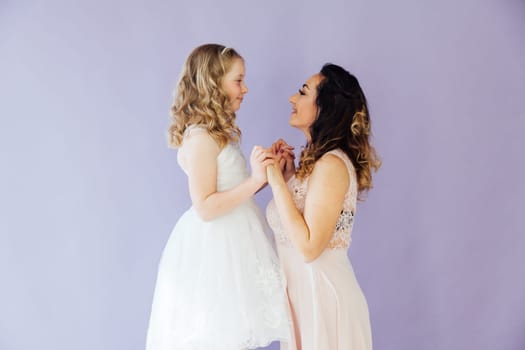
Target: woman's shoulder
{"x":338,"y":155}
{"x":334,"y":164}
{"x":331,"y":162}
{"x":330,"y":171}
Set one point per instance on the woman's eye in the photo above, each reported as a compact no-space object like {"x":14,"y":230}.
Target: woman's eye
{"x":301,"y":92}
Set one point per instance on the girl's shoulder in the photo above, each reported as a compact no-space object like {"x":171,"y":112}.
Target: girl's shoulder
{"x":198,"y":136}
{"x":197,"y":145}
{"x":195,"y":129}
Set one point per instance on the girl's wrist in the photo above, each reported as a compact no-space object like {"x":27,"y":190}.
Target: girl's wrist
{"x":255,"y":183}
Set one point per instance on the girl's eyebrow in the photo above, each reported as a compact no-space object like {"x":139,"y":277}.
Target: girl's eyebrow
{"x":306,"y":86}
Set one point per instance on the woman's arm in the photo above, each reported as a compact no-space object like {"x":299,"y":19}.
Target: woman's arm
{"x":311,"y":231}
{"x":286,"y":158}
{"x":200,"y":153}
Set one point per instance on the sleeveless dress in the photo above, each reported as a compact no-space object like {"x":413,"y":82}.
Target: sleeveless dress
{"x":219,"y":283}
{"x":329,"y":309}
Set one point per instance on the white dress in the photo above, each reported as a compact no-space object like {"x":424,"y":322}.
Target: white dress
{"x":219,"y":283}
{"x":329,"y":309}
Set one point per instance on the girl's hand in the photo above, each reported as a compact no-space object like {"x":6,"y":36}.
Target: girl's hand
{"x":260,"y":158}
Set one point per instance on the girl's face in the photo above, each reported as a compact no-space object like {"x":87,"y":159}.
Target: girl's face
{"x":304,"y":108}
{"x":233,"y":84}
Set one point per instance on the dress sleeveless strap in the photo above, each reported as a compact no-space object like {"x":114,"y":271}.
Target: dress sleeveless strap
{"x":351,"y":195}
{"x":194,"y":127}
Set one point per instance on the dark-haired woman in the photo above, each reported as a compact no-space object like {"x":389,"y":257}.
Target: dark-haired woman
{"x":313,"y":208}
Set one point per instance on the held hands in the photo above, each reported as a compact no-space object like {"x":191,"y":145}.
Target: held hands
{"x":274,"y":175}
{"x":274,"y":164}
{"x":260,"y":159}
{"x":285,"y":157}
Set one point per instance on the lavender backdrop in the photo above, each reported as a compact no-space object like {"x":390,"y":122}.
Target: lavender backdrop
{"x":89,"y":192}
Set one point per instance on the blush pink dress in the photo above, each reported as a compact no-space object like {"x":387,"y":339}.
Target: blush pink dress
{"x":329,"y":309}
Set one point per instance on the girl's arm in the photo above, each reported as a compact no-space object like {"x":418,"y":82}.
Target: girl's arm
{"x":311,"y":231}
{"x":200,"y":152}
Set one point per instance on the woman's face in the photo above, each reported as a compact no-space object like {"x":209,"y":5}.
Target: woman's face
{"x":304,"y":108}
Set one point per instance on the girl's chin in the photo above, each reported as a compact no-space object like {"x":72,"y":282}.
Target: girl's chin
{"x":236,"y":107}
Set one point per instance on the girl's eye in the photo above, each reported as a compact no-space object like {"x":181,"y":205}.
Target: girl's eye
{"x":301,"y":92}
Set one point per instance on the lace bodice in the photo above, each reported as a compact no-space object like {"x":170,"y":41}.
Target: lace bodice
{"x":343,"y":229}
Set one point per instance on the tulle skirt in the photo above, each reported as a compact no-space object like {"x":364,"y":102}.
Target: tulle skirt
{"x":219,"y":286}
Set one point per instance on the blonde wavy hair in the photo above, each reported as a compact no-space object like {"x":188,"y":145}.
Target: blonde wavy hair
{"x":200,"y":99}
{"x":342,"y":122}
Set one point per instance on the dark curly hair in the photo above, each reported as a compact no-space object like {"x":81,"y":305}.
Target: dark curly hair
{"x":342,"y":122}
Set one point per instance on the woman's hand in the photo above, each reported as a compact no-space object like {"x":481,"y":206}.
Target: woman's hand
{"x":285,"y":157}
{"x":274,"y":175}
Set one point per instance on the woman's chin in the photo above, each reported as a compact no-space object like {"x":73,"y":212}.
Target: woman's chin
{"x":292,"y":123}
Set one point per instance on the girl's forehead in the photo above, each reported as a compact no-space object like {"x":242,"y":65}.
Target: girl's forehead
{"x":237,"y":67}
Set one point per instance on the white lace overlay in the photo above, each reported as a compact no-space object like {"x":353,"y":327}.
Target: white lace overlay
{"x":270,"y":280}
{"x":343,"y":229}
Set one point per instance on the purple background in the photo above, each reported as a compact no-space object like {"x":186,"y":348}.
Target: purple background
{"x":89,"y":191}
